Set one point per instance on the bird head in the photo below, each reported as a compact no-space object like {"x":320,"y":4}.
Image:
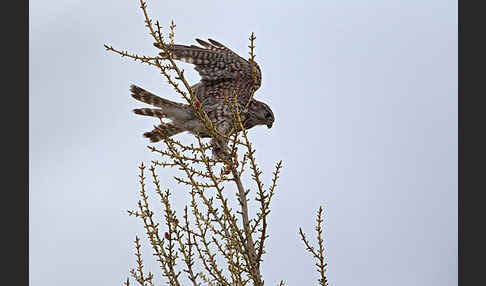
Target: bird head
{"x":259,"y":114}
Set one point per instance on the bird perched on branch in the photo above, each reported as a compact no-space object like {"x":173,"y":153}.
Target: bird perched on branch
{"x":223,"y":73}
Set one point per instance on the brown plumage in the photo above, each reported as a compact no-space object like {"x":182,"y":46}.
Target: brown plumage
{"x":222,"y":72}
{"x":162,"y":130}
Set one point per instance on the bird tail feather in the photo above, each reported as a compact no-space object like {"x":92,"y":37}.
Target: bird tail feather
{"x":167,"y":108}
{"x":161,"y":131}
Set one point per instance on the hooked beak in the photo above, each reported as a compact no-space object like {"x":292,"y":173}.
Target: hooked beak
{"x":269,"y":125}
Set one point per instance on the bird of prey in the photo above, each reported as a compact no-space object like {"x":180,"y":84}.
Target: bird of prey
{"x":223,"y":73}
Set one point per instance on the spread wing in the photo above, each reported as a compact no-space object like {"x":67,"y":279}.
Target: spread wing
{"x":216,"y":63}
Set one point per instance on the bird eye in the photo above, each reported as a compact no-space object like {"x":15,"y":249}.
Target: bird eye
{"x":268,"y":115}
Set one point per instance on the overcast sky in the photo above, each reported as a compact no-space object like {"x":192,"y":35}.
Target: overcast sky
{"x":365,"y":99}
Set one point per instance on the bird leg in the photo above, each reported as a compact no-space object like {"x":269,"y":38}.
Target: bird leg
{"x":220,"y":149}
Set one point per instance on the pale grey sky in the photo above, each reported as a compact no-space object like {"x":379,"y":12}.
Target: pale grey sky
{"x":365,"y":99}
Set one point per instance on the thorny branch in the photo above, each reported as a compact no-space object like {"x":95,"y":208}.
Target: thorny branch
{"x":317,"y":254}
{"x":190,"y":251}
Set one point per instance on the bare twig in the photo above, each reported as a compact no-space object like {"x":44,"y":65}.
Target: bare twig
{"x":215,"y":232}
{"x":319,"y":254}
